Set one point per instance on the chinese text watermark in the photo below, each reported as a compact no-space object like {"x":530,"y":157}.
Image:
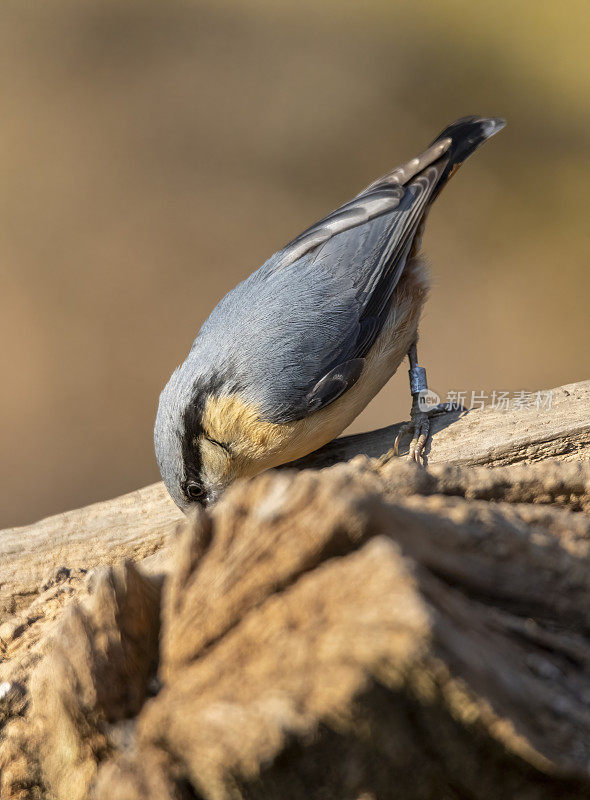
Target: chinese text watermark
{"x":499,"y":401}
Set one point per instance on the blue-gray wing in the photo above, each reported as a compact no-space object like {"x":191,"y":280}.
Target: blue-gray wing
{"x":293,"y":336}
{"x":367,"y":259}
{"x":379,"y":198}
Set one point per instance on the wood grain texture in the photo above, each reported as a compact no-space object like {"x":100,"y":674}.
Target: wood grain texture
{"x":487,"y":436}
{"x":133,"y":526}
{"x":138,"y":524}
{"x":364,"y":631}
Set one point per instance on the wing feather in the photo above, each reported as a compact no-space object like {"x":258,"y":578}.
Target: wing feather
{"x":380,"y":197}
{"x":385,"y":256}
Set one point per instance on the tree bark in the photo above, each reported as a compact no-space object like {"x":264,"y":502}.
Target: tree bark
{"x":138,"y":524}
{"x":371,"y":630}
{"x":487,"y":436}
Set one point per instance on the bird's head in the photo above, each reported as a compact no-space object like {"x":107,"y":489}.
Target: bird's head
{"x":195,"y":467}
{"x":206,"y":436}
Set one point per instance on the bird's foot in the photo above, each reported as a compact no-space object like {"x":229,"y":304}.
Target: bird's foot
{"x":419,"y":427}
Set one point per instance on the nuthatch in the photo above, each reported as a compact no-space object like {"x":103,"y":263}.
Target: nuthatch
{"x":295,"y":352}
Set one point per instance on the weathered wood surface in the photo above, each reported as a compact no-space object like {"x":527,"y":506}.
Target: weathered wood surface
{"x":132,"y":526}
{"x":488,"y":436}
{"x":138,"y":524}
{"x":318,"y":631}
{"x":363,"y":631}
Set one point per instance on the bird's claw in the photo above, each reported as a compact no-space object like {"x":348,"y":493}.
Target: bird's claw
{"x":419,"y":427}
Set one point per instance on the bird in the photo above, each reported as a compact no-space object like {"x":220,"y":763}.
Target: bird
{"x":292,"y":354}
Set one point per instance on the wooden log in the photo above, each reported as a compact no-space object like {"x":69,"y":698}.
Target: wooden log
{"x":491,"y":437}
{"x":396,"y":614}
{"x":139,"y":524}
{"x":363,"y":631}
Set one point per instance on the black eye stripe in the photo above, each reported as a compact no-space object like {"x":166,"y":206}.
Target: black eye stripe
{"x":192,"y":433}
{"x":193,"y":430}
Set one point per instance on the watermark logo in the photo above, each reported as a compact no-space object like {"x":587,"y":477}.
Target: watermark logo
{"x":427,"y":400}
{"x":521,"y":400}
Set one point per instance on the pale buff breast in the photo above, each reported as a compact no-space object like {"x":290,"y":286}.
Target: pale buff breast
{"x":259,"y":445}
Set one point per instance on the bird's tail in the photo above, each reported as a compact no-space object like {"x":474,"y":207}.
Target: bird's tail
{"x":466,"y":135}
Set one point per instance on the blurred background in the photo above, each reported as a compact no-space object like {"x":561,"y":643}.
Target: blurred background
{"x":152,"y":154}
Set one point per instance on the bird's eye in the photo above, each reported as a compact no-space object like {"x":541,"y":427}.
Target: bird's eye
{"x":194,"y":490}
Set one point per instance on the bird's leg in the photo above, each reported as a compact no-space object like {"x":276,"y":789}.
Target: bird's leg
{"x":419,"y":425}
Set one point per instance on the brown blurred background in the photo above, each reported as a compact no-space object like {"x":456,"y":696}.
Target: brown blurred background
{"x":154,"y":153}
